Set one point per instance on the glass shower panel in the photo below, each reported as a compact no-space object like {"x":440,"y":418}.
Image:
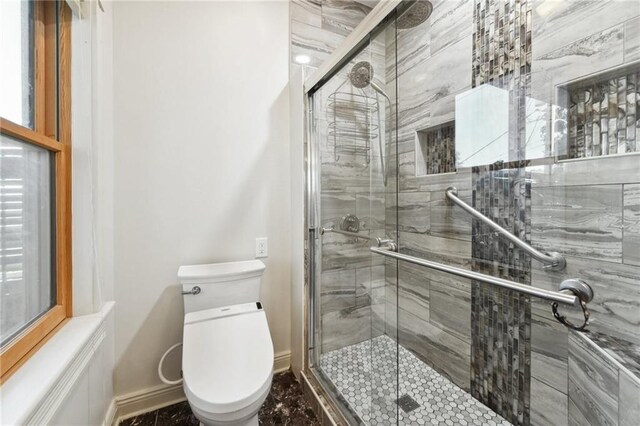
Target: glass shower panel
{"x":496,"y":100}
{"x":351,"y":128}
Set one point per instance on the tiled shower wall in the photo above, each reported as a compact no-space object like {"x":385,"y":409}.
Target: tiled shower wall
{"x":430,"y":311}
{"x":351,"y":279}
{"x":586,"y":209}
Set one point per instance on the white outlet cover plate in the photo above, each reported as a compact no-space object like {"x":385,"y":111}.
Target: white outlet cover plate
{"x":262,"y":247}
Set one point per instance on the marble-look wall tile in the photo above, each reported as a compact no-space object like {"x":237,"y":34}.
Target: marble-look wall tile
{"x":345,"y":327}
{"x":449,"y":220}
{"x":436,"y":183}
{"x":342,"y":16}
{"x":451,"y":307}
{"x":631,"y":221}
{"x":444,"y":250}
{"x":577,"y":417}
{"x":307,"y":11}
{"x":549,"y":338}
{"x":344,"y":252}
{"x":370,"y":209}
{"x":582,"y":221}
{"x":413,"y":49}
{"x":616,"y":170}
{"x":549,"y":347}
{"x":550,"y":371}
{"x":593,"y":383}
{"x":622,"y":353}
{"x":444,"y":352}
{"x":548,"y":405}
{"x":615,"y":309}
{"x":561,"y":23}
{"x":337,"y":290}
{"x":369,"y":285}
{"x":408,"y":288}
{"x":628,"y":399}
{"x":632,"y":40}
{"x":450,"y":21}
{"x":312,"y":41}
{"x":592,"y":54}
{"x":348,"y":177}
{"x":413,"y":212}
{"x":335,"y":205}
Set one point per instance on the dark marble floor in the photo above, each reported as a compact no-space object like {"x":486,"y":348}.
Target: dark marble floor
{"x":285,"y":405}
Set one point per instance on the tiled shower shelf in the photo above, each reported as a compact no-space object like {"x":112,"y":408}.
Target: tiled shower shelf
{"x":435,"y":150}
{"x":603,"y":117}
{"x":366,"y":376}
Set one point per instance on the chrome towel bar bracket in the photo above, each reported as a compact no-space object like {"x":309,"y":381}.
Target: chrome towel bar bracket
{"x":552,"y":260}
{"x":380,"y":242}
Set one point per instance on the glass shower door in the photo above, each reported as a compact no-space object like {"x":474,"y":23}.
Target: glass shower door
{"x":352,"y":121}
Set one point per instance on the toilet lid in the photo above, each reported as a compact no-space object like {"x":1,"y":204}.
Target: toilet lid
{"x":227,"y":361}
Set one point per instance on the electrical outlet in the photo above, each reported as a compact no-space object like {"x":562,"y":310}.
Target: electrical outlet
{"x":262,"y":247}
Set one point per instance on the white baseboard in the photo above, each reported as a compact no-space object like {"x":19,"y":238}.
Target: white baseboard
{"x":282,"y":362}
{"x":143,"y":401}
{"x":146,"y":400}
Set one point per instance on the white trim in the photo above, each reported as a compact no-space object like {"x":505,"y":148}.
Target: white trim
{"x":35,"y":393}
{"x":368,"y":24}
{"x":57,"y":394}
{"x":145,"y":400}
{"x":110,"y":416}
{"x":282,"y":362}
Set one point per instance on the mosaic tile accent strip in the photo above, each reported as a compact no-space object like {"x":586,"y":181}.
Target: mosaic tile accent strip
{"x":438,"y":149}
{"x":604,"y":117}
{"x":501,"y":319}
{"x":365,"y":374}
{"x":501,"y":41}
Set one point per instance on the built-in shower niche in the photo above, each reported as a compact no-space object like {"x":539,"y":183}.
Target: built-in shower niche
{"x":435,"y":149}
{"x":603,"y":113}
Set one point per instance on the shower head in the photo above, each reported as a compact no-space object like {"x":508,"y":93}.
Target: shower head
{"x":414,"y":15}
{"x":361,"y":74}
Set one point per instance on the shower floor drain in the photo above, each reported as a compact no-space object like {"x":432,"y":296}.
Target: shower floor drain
{"x":407,"y":403}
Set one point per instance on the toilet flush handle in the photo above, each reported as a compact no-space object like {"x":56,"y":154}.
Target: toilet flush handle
{"x":195,"y":290}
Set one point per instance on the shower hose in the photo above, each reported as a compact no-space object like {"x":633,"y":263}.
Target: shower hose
{"x":162,"y":377}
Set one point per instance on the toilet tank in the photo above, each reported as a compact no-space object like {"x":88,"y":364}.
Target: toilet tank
{"x":221,"y":284}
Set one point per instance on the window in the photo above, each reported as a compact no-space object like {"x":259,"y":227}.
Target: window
{"x":35,"y":176}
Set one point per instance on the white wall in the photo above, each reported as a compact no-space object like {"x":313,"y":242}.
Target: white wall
{"x":201,"y":163}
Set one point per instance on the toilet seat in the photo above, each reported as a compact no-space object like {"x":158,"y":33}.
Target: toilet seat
{"x":227,"y":359}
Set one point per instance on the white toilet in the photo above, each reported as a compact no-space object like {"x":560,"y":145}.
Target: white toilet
{"x":227,"y":353}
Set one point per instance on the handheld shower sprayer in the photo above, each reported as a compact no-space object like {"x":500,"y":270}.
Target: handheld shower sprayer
{"x":361,"y":76}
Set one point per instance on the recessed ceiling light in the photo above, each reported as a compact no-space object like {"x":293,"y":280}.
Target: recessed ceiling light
{"x":302,"y":59}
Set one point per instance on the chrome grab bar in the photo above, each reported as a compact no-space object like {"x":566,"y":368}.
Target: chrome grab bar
{"x":380,"y":242}
{"x":552,"y":260}
{"x":563,"y":297}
